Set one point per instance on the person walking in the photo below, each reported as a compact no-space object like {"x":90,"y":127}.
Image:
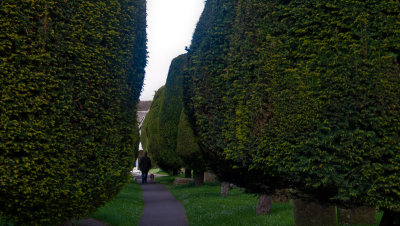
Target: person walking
{"x":144,"y":166}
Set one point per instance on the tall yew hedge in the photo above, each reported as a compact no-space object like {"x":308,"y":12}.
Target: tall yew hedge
{"x":70,"y":76}
{"x":170,"y":111}
{"x":306,"y":92}
{"x":205,"y":88}
{"x":166,"y":133}
{"x":150,"y":132}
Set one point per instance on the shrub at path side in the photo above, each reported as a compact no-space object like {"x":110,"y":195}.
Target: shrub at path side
{"x":71,"y":73}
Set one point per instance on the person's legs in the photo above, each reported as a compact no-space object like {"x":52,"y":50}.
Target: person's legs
{"x":145,"y":177}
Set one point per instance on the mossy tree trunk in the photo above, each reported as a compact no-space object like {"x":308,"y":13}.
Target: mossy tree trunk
{"x":198,"y":178}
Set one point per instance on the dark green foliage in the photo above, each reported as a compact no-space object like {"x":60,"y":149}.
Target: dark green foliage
{"x":303,"y":91}
{"x":187,"y":145}
{"x":326,"y":79}
{"x":150,"y":132}
{"x":71,"y":74}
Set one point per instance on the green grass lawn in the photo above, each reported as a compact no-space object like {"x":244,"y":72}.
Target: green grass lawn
{"x":125,"y":209}
{"x":205,"y":206}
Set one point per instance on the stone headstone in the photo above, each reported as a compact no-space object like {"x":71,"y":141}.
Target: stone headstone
{"x":224,"y":189}
{"x":358,"y":215}
{"x":209,"y":177}
{"x":264,"y":204}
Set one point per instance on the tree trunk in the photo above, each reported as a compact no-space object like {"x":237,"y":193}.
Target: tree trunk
{"x":224,"y":189}
{"x":198,"y":178}
{"x":308,"y":213}
{"x":390,"y":218}
{"x":358,"y":215}
{"x":188,"y":173}
{"x":264,"y":204}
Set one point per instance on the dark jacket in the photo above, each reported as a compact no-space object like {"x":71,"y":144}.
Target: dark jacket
{"x":145,"y":164}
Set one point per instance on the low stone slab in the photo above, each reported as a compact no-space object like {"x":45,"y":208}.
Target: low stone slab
{"x":308,"y":213}
{"x":359,"y":215}
{"x":182,"y":181}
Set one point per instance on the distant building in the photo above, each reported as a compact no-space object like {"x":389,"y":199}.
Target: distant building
{"x":143,"y":108}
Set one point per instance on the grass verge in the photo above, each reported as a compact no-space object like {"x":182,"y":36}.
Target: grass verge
{"x":205,"y":206}
{"x":125,"y":209}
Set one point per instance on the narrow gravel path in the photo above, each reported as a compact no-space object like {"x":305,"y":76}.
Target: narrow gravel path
{"x":160,"y":207}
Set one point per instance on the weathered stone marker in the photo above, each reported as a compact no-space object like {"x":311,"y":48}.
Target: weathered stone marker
{"x":264,"y":204}
{"x":359,"y":215}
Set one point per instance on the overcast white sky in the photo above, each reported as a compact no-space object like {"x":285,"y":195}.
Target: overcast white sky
{"x":170,"y":26}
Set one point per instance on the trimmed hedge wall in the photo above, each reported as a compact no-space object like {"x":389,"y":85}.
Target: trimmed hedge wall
{"x":71,"y":74}
{"x":303,"y":91}
{"x":325,"y":78}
